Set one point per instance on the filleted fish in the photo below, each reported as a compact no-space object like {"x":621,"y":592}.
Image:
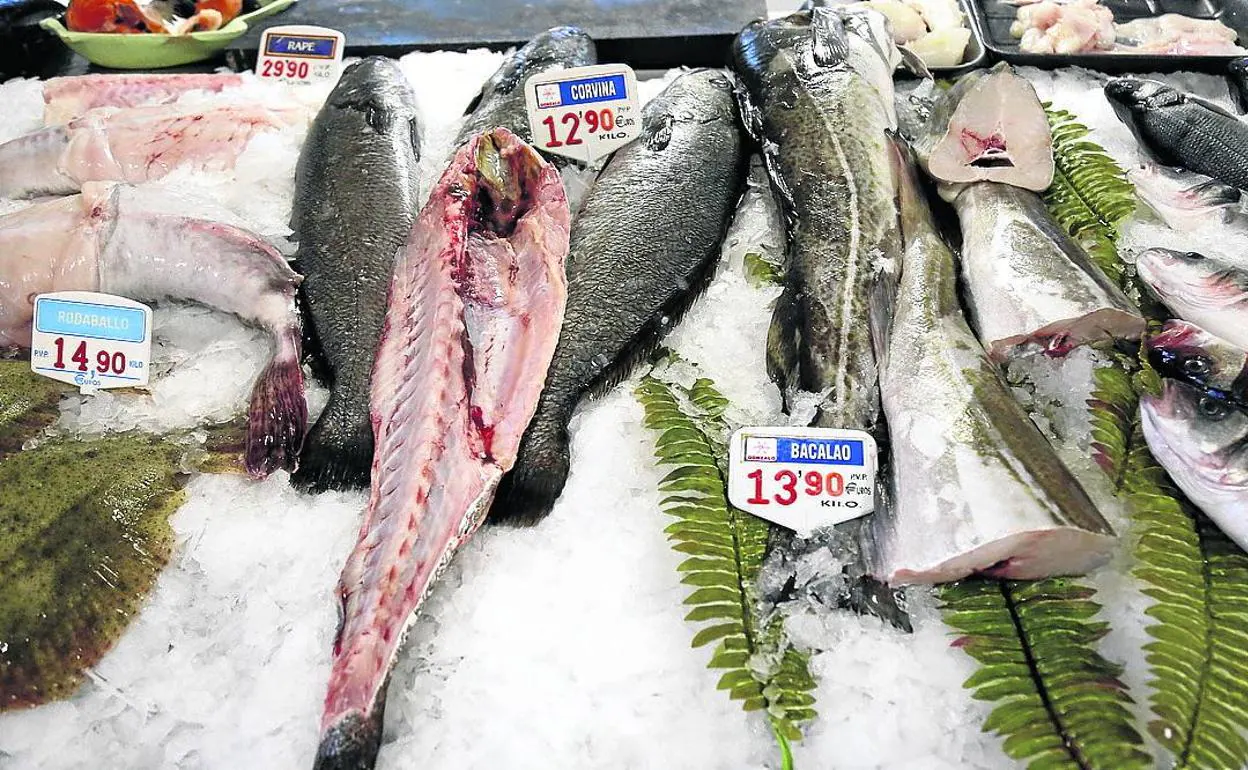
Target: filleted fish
{"x":474,"y":313}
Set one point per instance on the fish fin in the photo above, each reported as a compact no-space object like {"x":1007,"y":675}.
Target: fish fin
{"x":1211,"y":106}
{"x":278,"y":415}
{"x":783,"y":341}
{"x":527,"y":494}
{"x":830,"y":46}
{"x":911,"y":61}
{"x":333,"y":458}
{"x":353,"y":741}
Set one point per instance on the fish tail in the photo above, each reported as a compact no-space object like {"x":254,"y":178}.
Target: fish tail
{"x":278,"y":416}
{"x":529,"y":491}
{"x":336,"y":455}
{"x":352,"y":741}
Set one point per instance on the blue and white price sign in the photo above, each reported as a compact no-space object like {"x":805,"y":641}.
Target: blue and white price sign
{"x":91,"y":340}
{"x":298,"y":53}
{"x":583,"y":113}
{"x":802,"y":478}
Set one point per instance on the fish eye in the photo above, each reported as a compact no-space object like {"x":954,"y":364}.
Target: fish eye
{"x":1192,"y":256}
{"x":1212,"y":408}
{"x":1197,"y":365}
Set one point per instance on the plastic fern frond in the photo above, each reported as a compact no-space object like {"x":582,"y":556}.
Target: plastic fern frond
{"x":725,"y":548}
{"x":1198,"y":580}
{"x":1059,"y":704}
{"x":1090,"y":195}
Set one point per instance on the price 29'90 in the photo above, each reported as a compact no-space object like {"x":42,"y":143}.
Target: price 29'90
{"x":593,"y":120}
{"x":792,"y":484}
{"x":105,"y":362}
{"x":284,"y":68}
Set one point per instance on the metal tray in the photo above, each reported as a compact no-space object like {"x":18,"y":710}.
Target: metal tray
{"x":995,"y":17}
{"x":645,"y":34}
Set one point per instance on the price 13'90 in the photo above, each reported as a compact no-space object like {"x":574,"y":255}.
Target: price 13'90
{"x":792,"y":484}
{"x":105,"y":362}
{"x":284,"y":68}
{"x":593,"y":120}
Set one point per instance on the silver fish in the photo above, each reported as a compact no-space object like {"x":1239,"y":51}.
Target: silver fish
{"x":977,"y":488}
{"x":1028,"y":281}
{"x":1202,"y":442}
{"x":1204,"y":290}
{"x":1189,"y":202}
{"x":143,"y":243}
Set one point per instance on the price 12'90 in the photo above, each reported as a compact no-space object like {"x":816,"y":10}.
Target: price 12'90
{"x":810,"y":484}
{"x":105,"y":362}
{"x":594,"y":121}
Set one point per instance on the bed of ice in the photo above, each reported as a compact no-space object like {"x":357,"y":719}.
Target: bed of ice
{"x":557,"y":646}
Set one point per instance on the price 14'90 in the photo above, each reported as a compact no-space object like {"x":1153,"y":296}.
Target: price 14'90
{"x":105,"y":362}
{"x":792,"y":484}
{"x":570,"y":124}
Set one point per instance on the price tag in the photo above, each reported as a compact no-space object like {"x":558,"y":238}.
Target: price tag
{"x":583,"y":113}
{"x":91,"y":340}
{"x":802,"y":478}
{"x":300,"y":54}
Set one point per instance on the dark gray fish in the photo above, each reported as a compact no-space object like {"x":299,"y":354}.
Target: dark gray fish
{"x":818,"y":96}
{"x":1180,"y":130}
{"x":1237,"y":83}
{"x":355,"y":199}
{"x":501,"y":101}
{"x":643,"y":246}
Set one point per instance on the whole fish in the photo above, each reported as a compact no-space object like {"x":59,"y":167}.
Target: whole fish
{"x":475,"y":307}
{"x":133,"y":145}
{"x":142,"y":243}
{"x":824,"y":131}
{"x":1202,"y":442}
{"x":1186,"y":352}
{"x":643,"y":246}
{"x":1181,"y":130}
{"x":67,"y":98}
{"x":501,"y":101}
{"x":1189,"y":202}
{"x":977,"y":487}
{"x":1028,"y":281}
{"x":355,"y":199}
{"x":990,"y":126}
{"x":1209,"y":292}
{"x":1237,"y":83}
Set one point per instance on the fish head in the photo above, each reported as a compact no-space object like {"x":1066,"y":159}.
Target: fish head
{"x":872,"y":28}
{"x":1183,"y":200}
{"x":1200,"y":439}
{"x":1135,"y":95}
{"x":1184,"y":351}
{"x":567,"y":46}
{"x":1189,"y":279}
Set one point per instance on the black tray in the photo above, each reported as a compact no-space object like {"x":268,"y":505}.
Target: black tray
{"x":645,"y":34}
{"x":995,"y":17}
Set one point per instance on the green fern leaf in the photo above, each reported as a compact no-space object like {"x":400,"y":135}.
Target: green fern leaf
{"x":1059,"y":703}
{"x":726,"y":547}
{"x":1090,"y":195}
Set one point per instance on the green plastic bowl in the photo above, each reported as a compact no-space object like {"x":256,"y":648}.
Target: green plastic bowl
{"x":152,"y":51}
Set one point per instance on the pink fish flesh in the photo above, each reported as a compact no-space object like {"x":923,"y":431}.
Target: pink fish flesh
{"x":140,"y":243}
{"x":475,"y":307}
{"x":134,"y":145}
{"x":67,"y":98}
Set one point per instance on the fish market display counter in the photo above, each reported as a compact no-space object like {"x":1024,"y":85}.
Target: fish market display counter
{"x":855,"y":404}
